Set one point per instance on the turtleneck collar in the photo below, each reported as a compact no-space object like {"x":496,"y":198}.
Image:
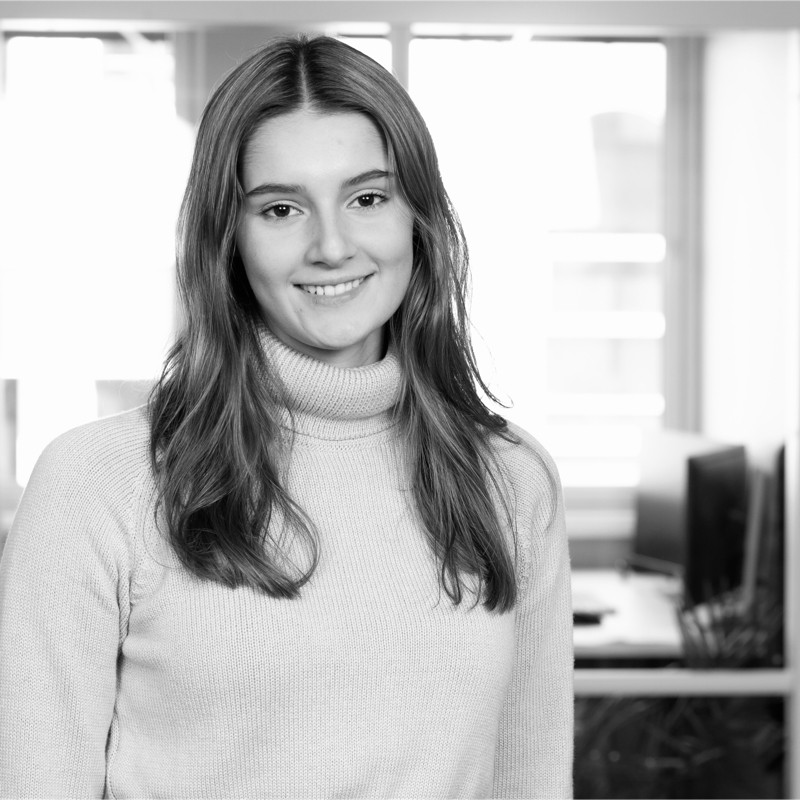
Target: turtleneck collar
{"x":334,"y":402}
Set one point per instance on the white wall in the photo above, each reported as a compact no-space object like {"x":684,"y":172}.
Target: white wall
{"x":750,"y":144}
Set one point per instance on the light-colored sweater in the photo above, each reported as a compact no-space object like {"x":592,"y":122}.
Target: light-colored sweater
{"x":123,"y":674}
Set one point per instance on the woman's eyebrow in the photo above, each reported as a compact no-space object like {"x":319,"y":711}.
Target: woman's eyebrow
{"x":296,"y":188}
{"x":275,"y":188}
{"x":369,"y":175}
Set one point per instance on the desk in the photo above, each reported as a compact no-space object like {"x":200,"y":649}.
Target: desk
{"x":640,"y":622}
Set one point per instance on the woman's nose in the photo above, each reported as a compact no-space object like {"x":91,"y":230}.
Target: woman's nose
{"x":331,"y":245}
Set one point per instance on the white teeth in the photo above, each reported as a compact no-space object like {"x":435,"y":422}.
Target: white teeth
{"x":331,"y":290}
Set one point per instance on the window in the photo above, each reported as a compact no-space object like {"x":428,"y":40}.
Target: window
{"x":552,"y":151}
{"x":92,"y":159}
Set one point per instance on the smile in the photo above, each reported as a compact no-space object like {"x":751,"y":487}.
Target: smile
{"x":331,"y":290}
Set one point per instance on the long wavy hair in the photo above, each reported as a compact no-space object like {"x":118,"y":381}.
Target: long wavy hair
{"x":213,"y":414}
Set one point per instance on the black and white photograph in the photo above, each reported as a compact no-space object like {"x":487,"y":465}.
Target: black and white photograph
{"x":400,"y":399}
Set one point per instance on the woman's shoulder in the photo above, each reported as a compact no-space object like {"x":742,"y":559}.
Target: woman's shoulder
{"x":528,"y":480}
{"x":530,"y":483}
{"x":525,"y":460}
{"x":108,"y":450}
{"x":85,"y":498}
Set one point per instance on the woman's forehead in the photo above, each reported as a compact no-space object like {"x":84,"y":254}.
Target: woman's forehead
{"x":304,"y":144}
{"x":306,"y":125}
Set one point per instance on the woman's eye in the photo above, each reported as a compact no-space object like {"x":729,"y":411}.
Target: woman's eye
{"x":279,"y":211}
{"x":369,"y":200}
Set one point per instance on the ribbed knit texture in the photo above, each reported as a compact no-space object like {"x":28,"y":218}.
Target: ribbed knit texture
{"x":121,"y":674}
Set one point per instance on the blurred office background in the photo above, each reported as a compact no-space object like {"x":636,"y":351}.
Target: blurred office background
{"x":627,"y":176}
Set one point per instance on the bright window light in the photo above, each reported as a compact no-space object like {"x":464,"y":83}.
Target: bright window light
{"x":92,"y":163}
{"x":552,"y":153}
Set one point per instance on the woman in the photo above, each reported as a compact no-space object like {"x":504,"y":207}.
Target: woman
{"x":316,"y":565}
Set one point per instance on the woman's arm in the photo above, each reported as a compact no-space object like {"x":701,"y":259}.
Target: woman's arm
{"x":63,"y":606}
{"x":535,"y":745}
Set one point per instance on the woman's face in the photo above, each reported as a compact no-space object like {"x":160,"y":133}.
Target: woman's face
{"x":325,"y":237}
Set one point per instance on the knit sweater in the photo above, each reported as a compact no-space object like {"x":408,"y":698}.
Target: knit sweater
{"x":123,"y":675}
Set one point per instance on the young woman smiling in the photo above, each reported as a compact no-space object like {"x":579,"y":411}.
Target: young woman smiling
{"x":325,"y":236}
{"x":316,"y":564}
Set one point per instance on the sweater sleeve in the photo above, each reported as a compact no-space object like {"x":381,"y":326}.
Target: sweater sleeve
{"x":64,"y":580}
{"x":535,"y":743}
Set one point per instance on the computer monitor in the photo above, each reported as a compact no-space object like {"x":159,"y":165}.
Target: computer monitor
{"x":691,"y":511}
